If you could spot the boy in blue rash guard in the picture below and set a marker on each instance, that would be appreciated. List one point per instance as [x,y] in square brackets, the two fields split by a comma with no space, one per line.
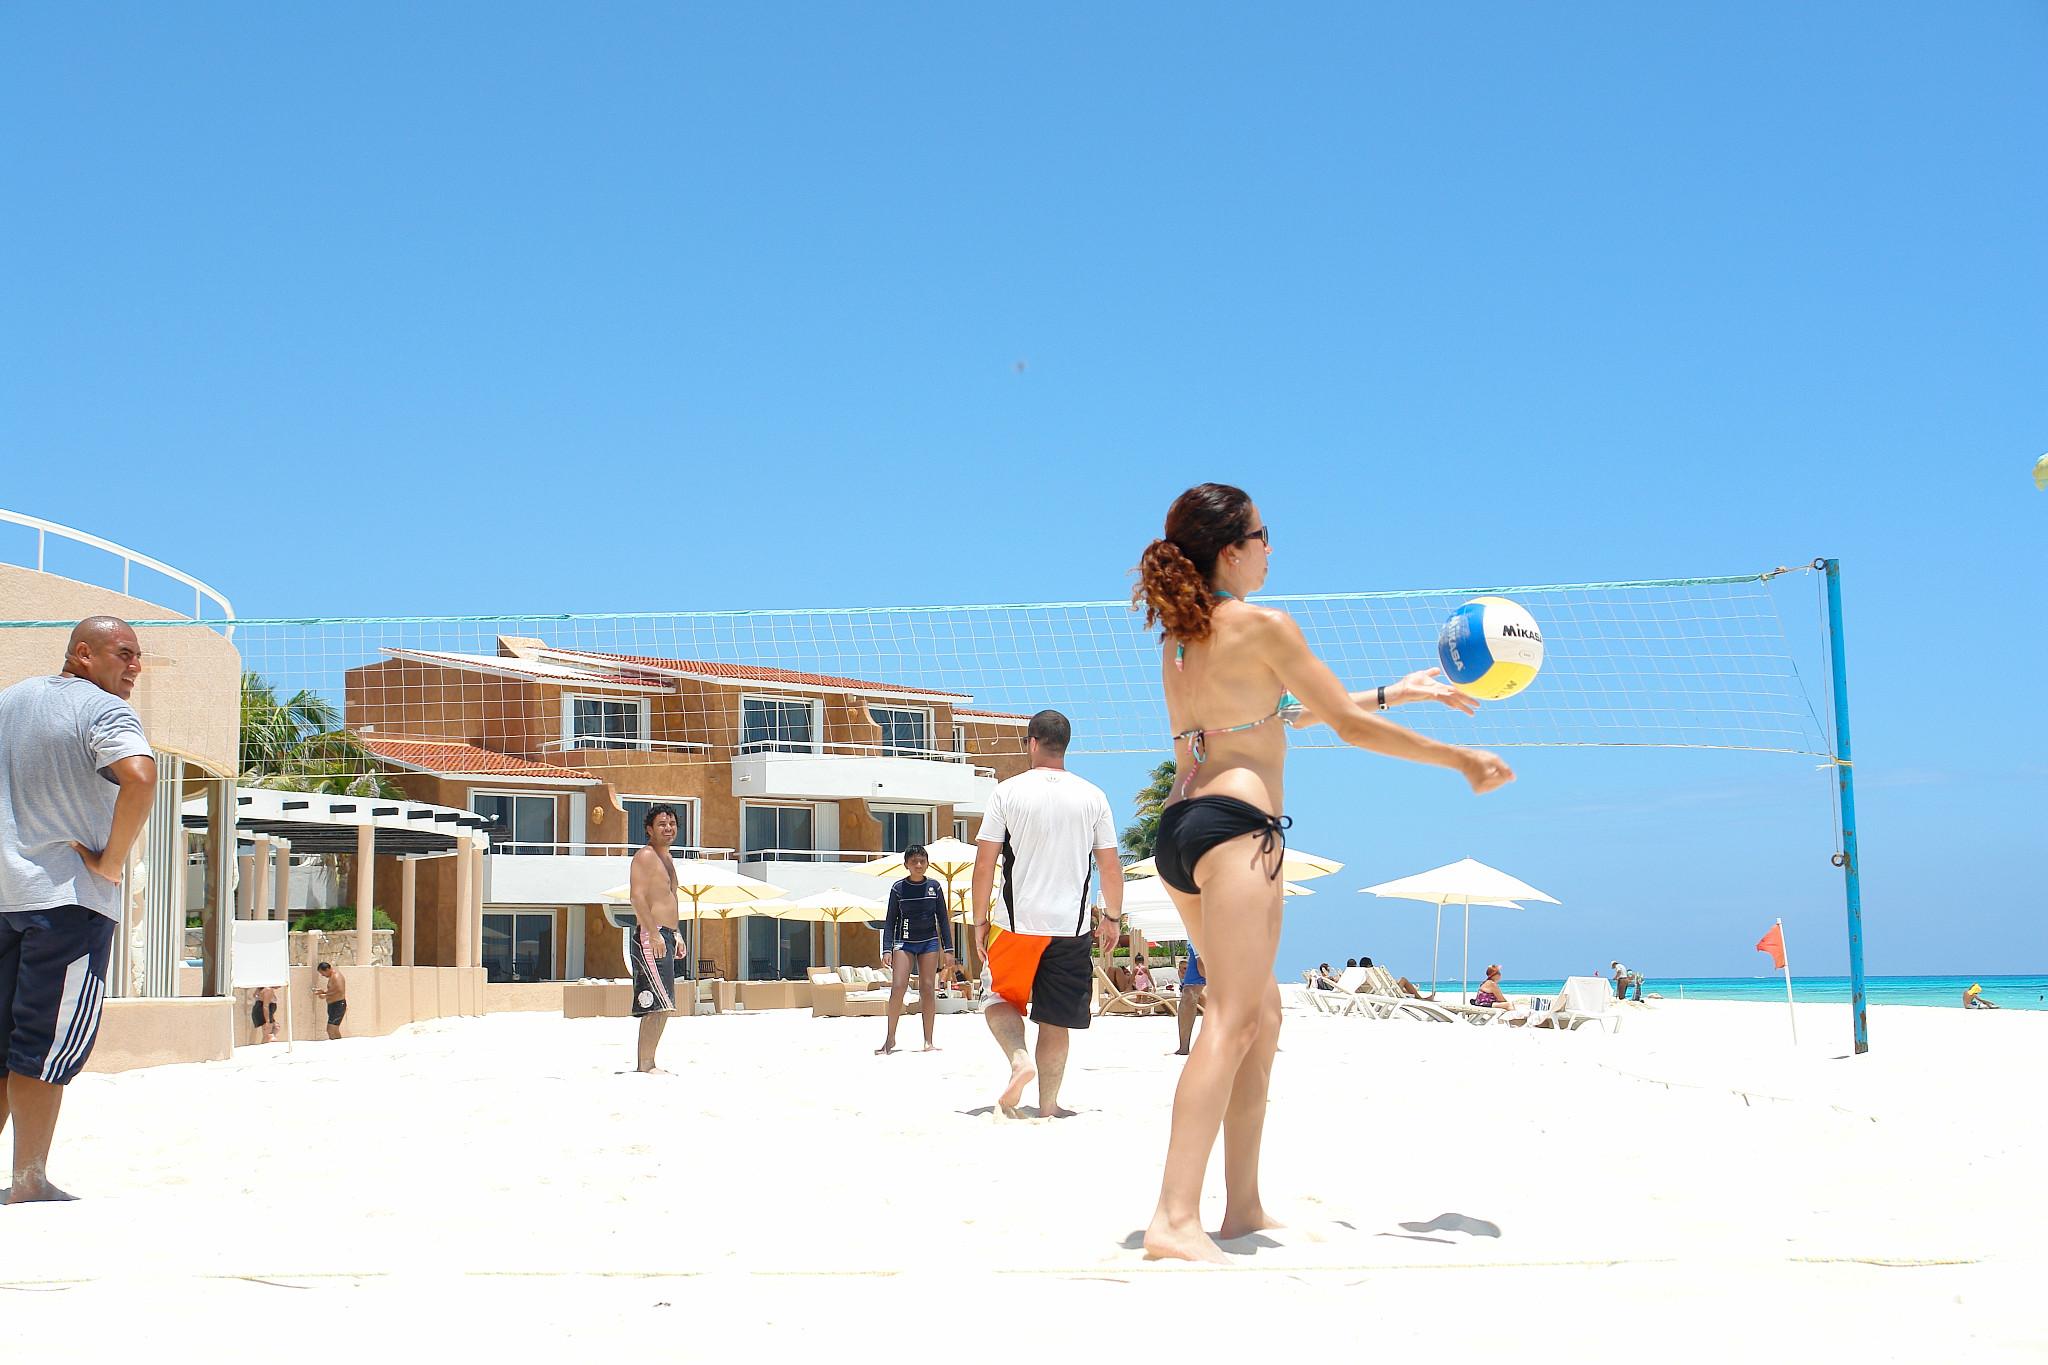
[915,935]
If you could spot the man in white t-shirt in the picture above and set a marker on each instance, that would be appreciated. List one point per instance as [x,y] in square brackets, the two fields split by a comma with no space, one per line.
[1053,834]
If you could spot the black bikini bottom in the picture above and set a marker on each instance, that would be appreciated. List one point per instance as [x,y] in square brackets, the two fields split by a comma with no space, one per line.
[1188,829]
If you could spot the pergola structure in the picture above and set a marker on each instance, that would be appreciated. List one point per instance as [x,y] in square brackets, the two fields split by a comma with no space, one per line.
[272,825]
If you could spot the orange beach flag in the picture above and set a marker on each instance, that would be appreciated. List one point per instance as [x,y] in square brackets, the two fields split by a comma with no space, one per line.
[1774,944]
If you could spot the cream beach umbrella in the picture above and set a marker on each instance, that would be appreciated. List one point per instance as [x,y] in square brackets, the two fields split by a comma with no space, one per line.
[701,883]
[1468,882]
[951,861]
[1296,865]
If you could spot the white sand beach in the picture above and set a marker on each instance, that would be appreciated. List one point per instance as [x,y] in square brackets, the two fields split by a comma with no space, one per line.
[1687,1188]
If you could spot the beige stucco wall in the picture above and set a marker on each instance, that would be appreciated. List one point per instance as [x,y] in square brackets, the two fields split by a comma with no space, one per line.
[190,692]
[137,1033]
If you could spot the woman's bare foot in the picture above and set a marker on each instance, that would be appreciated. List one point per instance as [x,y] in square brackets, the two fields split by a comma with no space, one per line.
[1252,1220]
[655,1071]
[931,1047]
[1022,1074]
[1169,1241]
[34,1192]
[885,1049]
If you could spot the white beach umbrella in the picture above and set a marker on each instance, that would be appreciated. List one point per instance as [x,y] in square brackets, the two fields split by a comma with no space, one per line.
[1151,910]
[1468,882]
[952,862]
[1296,865]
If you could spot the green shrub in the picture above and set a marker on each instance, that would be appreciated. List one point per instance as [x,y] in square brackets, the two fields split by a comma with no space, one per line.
[341,919]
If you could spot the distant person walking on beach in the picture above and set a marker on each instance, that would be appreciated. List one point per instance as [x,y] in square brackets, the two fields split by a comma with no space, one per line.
[1189,1006]
[1235,676]
[916,932]
[333,988]
[1053,833]
[76,781]
[655,939]
[263,1015]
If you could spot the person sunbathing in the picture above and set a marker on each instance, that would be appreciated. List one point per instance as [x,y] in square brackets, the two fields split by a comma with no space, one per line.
[1975,999]
[1408,988]
[1490,995]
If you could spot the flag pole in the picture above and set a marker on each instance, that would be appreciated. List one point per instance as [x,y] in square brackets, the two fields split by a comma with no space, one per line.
[1794,1014]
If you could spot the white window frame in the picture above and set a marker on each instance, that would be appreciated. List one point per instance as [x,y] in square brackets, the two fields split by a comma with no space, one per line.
[746,806]
[960,829]
[931,736]
[959,738]
[930,814]
[693,805]
[513,792]
[570,741]
[779,699]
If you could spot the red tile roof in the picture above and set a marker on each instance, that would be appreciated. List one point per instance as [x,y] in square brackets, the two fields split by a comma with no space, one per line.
[440,756]
[991,715]
[746,672]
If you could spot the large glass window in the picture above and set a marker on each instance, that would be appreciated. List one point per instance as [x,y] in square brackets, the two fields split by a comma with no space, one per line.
[772,725]
[902,828]
[607,723]
[960,831]
[776,832]
[636,808]
[778,950]
[904,730]
[519,824]
[519,946]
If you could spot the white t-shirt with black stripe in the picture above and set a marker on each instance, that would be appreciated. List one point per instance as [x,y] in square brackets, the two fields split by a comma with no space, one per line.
[1049,824]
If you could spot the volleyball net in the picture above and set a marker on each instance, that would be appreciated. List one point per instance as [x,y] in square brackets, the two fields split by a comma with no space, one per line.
[1731,662]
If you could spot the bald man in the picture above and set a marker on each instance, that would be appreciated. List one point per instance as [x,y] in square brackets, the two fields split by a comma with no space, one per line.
[76,781]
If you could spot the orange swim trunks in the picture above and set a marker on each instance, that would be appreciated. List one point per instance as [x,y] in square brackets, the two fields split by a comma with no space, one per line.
[1049,976]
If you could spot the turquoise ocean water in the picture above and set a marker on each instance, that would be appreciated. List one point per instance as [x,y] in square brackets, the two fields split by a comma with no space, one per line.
[2010,992]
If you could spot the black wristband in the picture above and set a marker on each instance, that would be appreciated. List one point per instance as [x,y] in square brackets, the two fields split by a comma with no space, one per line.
[1383,696]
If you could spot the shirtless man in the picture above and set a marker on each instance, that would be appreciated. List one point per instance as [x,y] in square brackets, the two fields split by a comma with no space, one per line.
[334,990]
[653,943]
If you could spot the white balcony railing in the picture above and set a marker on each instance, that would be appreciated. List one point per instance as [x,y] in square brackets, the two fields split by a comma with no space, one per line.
[858,772]
[531,849]
[129,559]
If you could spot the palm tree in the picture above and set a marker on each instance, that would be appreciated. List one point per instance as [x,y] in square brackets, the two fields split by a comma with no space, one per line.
[1143,832]
[300,744]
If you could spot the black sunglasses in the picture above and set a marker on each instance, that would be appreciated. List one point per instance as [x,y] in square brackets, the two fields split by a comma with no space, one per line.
[1264,535]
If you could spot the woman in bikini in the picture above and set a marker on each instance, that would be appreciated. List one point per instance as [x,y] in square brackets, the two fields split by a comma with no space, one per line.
[1235,674]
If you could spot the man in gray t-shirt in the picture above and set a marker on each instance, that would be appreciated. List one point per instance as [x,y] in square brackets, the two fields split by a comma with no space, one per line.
[76,782]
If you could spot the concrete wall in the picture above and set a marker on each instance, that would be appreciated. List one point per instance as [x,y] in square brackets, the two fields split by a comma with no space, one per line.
[190,693]
[383,1000]
[503,996]
[137,1033]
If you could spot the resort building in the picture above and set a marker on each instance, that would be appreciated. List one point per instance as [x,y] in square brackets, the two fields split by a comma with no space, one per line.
[799,776]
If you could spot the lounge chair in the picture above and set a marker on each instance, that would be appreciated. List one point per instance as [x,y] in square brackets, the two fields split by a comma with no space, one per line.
[1140,1003]
[1353,993]
[1583,1000]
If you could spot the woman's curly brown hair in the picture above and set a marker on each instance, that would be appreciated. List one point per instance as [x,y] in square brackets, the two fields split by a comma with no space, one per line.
[1173,574]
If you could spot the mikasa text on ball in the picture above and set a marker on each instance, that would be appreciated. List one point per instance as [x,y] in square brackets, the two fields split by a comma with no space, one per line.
[1490,648]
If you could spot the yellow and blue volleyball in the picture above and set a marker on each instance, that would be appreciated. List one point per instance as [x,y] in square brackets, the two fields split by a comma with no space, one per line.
[1490,648]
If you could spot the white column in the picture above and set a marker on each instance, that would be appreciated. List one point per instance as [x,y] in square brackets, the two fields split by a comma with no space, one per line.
[366,888]
[572,957]
[408,891]
[460,911]
[259,874]
[281,901]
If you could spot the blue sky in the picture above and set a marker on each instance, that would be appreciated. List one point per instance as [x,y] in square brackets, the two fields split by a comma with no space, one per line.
[524,308]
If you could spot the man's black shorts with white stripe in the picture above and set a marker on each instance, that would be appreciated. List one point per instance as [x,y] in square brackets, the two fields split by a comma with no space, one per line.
[53,983]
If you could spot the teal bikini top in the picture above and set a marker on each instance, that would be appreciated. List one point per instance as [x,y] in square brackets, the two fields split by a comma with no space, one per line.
[1198,740]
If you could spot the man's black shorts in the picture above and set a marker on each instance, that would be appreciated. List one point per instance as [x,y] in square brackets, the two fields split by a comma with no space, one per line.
[53,982]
